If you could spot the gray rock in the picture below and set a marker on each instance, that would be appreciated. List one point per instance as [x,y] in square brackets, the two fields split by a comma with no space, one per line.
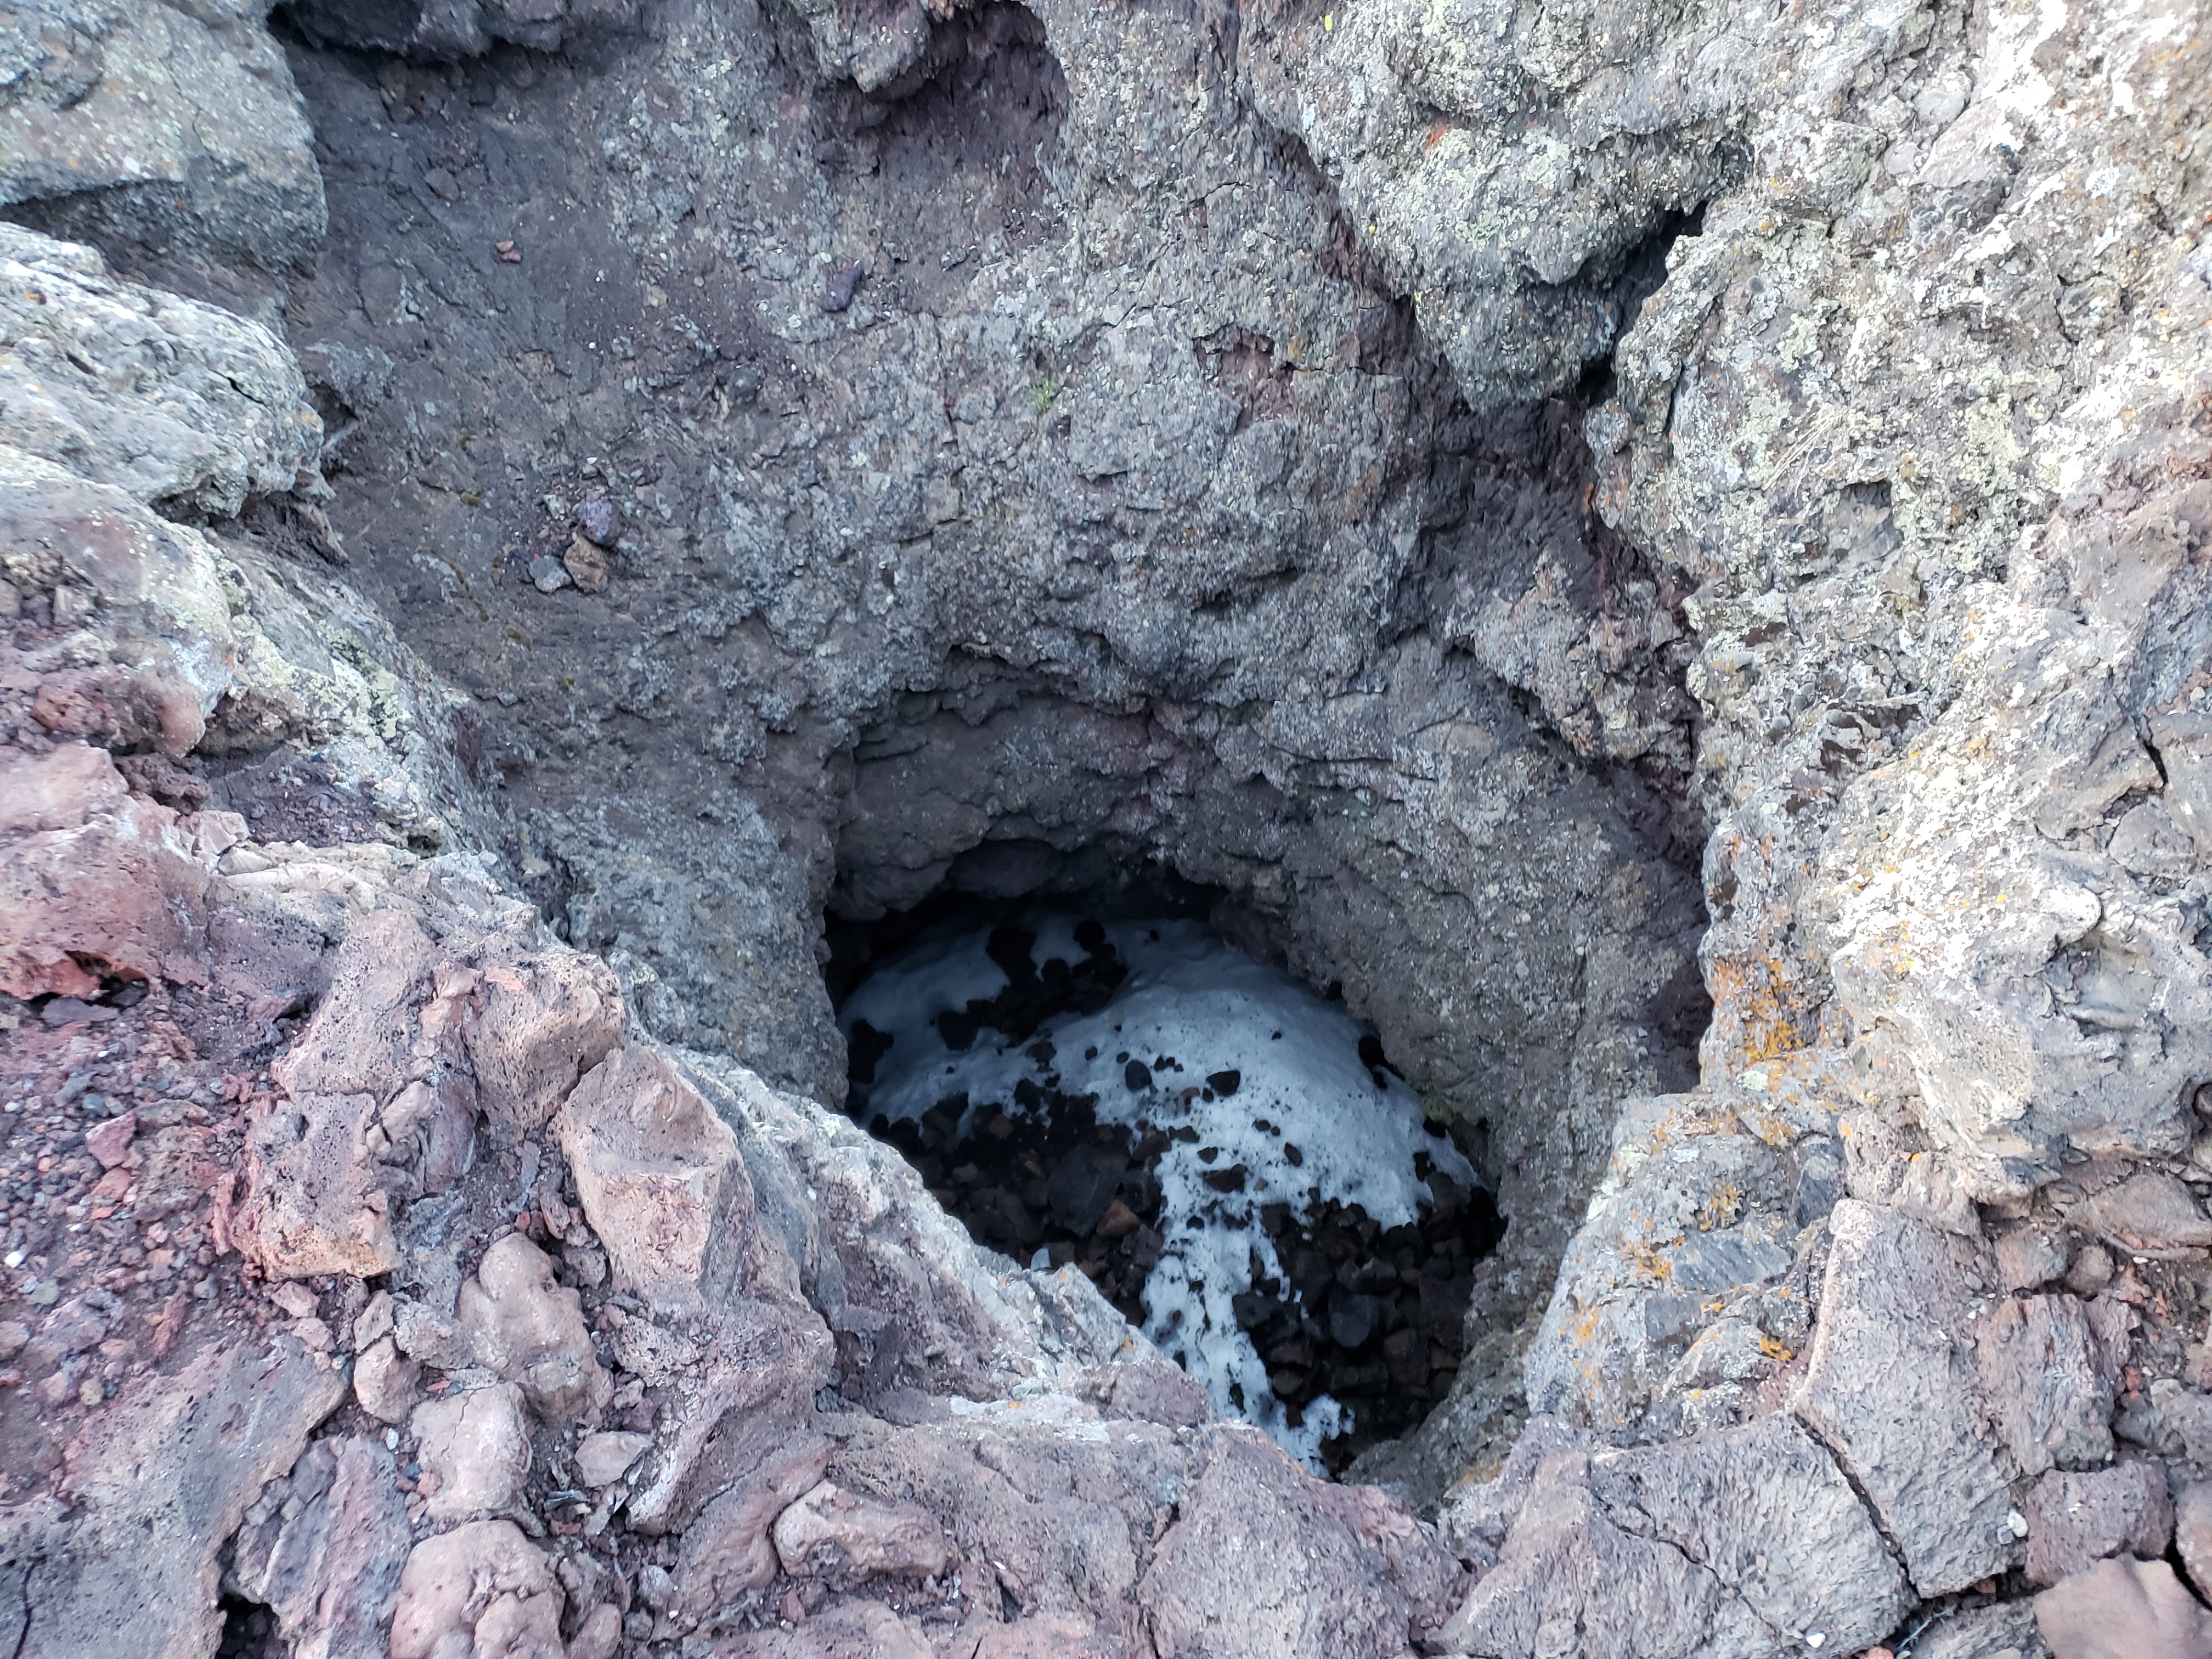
[1891,1391]
[2074,1521]
[177,128]
[162,1479]
[323,1549]
[1742,1543]
[2048,1376]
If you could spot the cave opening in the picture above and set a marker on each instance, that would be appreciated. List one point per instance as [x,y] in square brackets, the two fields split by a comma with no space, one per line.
[1118,1078]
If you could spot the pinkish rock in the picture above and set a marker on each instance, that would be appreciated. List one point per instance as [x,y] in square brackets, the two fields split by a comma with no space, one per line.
[2074,1521]
[600,1635]
[313,1204]
[523,1324]
[478,1444]
[833,1533]
[660,1178]
[295,1299]
[547,1019]
[727,1553]
[481,1590]
[110,1142]
[91,873]
[384,1381]
[2030,1257]
[751,1393]
[2123,1609]
[602,1458]
[856,1630]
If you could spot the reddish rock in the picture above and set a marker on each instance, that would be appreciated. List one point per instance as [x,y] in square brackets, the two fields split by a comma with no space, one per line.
[92,874]
[727,1552]
[110,1142]
[2074,1521]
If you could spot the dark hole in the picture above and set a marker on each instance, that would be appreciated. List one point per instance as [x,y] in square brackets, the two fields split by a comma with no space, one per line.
[249,1630]
[1369,1316]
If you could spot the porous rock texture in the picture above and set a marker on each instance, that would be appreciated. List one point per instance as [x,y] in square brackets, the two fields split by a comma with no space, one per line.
[1419,473]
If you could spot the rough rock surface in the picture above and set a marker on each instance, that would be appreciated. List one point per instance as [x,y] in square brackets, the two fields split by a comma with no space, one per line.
[834,455]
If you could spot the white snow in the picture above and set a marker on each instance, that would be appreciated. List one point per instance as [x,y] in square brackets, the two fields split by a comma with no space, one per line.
[1193,1000]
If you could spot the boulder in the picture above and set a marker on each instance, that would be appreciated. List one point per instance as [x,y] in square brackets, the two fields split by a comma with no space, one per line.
[323,1548]
[2123,1609]
[92,874]
[547,1019]
[1704,1545]
[160,1479]
[2074,1521]
[480,1591]
[313,1203]
[1264,1558]
[1897,1401]
[2048,1379]
[660,1179]
[833,1533]
[476,1443]
[523,1324]
[727,1552]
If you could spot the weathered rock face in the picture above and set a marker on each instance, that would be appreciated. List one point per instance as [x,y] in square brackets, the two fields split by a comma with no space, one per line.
[175,126]
[851,453]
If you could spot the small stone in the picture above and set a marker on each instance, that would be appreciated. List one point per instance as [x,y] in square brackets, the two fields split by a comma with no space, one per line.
[2091,1272]
[599,519]
[294,1298]
[384,1383]
[1118,1221]
[585,565]
[548,574]
[111,1142]
[373,1323]
[602,1458]
[838,294]
[2030,1257]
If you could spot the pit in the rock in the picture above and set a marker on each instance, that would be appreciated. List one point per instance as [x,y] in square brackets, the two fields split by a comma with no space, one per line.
[1230,1158]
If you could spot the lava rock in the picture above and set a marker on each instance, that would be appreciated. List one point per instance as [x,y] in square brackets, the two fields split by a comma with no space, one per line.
[600,520]
[1084,1185]
[1353,1320]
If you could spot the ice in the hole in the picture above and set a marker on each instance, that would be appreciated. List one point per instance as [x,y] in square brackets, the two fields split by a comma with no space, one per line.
[1192,1006]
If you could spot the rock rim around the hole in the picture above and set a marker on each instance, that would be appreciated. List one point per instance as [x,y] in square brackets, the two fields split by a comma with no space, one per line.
[1938,637]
